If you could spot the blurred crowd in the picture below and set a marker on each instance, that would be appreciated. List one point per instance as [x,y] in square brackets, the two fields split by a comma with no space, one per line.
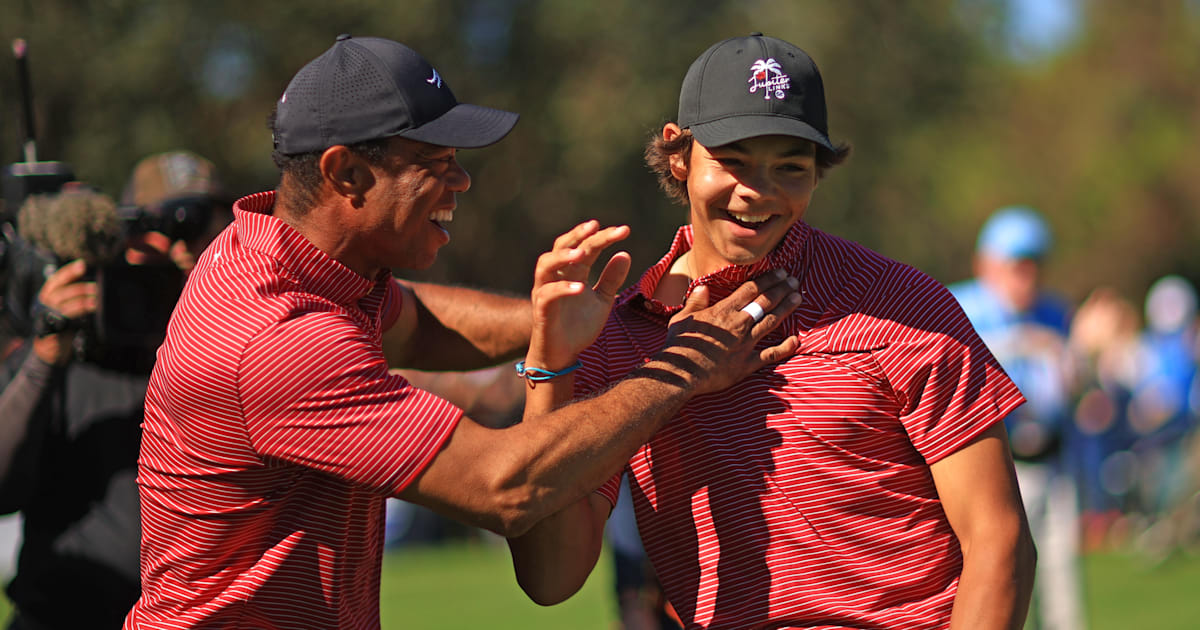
[1131,440]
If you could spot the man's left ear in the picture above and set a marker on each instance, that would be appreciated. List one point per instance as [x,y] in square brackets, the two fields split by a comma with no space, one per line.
[679,166]
[346,173]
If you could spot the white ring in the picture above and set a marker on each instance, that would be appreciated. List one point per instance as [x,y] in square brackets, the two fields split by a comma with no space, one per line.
[755,311]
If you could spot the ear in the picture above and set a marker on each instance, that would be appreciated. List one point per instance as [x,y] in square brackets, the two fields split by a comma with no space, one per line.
[347,174]
[679,166]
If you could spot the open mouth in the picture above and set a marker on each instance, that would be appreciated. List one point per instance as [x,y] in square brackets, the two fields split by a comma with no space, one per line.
[748,220]
[439,217]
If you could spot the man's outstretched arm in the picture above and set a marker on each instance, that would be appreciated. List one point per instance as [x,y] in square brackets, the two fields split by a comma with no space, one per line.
[444,328]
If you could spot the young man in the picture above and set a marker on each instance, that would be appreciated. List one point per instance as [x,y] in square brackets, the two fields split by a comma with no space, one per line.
[274,429]
[864,482]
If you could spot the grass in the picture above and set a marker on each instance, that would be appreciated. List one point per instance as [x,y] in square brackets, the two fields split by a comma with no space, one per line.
[1125,590]
[471,585]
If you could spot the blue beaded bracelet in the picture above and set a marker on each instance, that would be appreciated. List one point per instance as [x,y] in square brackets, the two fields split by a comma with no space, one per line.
[538,375]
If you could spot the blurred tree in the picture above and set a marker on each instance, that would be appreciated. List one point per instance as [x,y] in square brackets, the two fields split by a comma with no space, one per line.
[947,124]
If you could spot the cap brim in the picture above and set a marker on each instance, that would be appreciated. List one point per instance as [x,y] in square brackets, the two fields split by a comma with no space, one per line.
[465,127]
[736,128]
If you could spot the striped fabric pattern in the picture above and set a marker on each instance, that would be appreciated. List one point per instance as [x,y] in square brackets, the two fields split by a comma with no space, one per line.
[273,434]
[802,497]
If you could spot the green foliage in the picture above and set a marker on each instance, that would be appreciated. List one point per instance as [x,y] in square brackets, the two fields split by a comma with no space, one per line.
[946,127]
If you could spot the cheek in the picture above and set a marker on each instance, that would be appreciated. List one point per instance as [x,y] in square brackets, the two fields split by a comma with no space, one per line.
[707,187]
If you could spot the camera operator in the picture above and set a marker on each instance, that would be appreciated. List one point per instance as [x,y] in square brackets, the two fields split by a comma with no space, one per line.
[72,404]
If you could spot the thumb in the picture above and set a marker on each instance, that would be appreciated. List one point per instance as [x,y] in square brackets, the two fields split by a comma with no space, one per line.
[696,302]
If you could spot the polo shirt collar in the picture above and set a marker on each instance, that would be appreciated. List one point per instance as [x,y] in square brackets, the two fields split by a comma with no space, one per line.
[261,231]
[787,255]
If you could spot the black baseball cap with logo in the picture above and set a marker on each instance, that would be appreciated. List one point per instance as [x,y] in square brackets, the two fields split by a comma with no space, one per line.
[366,88]
[750,86]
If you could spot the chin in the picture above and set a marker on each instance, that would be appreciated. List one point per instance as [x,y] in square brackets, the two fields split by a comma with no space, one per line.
[744,257]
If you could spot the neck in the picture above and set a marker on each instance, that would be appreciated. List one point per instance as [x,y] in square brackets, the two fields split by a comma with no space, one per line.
[673,285]
[324,225]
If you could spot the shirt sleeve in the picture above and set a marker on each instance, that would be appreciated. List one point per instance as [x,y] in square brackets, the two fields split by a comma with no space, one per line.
[949,386]
[316,392]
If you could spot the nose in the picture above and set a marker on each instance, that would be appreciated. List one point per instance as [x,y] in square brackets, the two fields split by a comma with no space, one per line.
[457,178]
[755,184]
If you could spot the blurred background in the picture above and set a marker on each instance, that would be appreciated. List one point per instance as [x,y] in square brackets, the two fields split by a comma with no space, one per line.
[1087,110]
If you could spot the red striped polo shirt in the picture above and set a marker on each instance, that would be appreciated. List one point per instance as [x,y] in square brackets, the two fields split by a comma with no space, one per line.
[273,434]
[802,497]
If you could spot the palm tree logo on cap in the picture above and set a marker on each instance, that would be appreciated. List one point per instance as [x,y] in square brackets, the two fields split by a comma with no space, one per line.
[769,76]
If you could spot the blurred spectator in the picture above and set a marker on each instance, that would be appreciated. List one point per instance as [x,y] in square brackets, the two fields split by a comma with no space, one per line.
[1163,408]
[1104,341]
[70,412]
[1026,327]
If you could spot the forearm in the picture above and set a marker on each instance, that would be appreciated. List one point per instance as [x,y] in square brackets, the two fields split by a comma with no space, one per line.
[455,328]
[577,447]
[18,403]
[995,587]
[554,558]
[508,480]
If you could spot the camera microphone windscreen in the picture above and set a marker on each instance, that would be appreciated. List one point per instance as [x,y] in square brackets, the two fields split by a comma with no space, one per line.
[75,223]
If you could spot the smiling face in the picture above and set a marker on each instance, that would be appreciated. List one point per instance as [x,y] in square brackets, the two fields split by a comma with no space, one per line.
[744,196]
[406,211]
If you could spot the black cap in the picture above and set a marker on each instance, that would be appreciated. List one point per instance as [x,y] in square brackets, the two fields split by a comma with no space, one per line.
[365,88]
[753,86]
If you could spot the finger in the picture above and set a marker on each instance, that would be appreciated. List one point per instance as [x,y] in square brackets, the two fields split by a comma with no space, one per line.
[60,297]
[591,247]
[74,300]
[781,351]
[751,289]
[558,265]
[777,315]
[78,307]
[575,235]
[754,310]
[546,295]
[771,296]
[697,301]
[64,275]
[582,257]
[613,275]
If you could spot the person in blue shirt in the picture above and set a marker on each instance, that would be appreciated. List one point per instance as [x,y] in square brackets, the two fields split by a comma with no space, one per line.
[1026,327]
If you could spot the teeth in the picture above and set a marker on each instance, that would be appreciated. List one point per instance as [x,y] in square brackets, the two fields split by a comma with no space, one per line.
[750,218]
[442,216]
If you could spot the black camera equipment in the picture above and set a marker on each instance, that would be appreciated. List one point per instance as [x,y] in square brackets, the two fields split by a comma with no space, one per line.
[179,218]
[43,228]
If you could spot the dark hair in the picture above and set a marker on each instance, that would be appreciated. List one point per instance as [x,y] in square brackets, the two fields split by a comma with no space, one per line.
[659,151]
[300,173]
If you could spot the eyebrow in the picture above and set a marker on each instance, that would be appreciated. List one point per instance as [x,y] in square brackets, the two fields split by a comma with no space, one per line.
[434,152]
